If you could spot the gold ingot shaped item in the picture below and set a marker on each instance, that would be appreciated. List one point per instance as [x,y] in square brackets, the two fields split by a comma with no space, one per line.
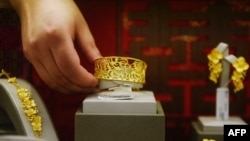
[122,70]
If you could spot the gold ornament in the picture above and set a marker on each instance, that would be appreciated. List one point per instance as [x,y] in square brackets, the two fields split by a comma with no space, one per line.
[120,68]
[239,73]
[28,104]
[208,140]
[215,65]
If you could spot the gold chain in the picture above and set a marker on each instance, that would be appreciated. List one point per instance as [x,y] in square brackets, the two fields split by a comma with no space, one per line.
[28,104]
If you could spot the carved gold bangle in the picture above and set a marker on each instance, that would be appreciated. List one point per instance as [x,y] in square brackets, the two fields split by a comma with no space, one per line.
[208,139]
[121,69]
[28,104]
[214,64]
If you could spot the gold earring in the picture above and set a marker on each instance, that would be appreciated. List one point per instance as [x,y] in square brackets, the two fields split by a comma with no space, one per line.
[214,64]
[240,69]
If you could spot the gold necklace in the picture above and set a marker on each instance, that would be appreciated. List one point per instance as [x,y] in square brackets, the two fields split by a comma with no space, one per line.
[28,104]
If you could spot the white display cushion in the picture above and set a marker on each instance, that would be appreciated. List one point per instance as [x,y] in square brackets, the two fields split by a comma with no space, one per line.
[143,103]
[210,124]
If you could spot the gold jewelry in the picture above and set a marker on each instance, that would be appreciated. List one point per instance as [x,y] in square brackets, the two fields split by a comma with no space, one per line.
[214,64]
[208,139]
[240,69]
[28,104]
[120,68]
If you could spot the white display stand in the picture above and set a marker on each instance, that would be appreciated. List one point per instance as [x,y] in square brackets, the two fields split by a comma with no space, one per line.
[120,126]
[120,114]
[143,102]
[222,104]
[208,127]
[222,92]
[210,124]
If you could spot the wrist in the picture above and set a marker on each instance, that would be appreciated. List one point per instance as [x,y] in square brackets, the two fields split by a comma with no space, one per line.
[23,7]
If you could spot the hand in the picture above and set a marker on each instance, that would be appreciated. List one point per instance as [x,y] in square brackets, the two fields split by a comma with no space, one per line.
[52,32]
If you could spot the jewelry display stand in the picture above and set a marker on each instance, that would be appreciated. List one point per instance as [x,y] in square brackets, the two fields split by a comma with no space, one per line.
[143,102]
[22,131]
[211,127]
[118,112]
[207,127]
[120,126]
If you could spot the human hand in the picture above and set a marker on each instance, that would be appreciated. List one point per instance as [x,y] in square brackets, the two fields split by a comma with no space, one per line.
[52,32]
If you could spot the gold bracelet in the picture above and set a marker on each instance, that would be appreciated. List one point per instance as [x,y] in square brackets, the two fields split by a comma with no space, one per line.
[121,69]
[240,69]
[214,64]
[28,104]
[208,139]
